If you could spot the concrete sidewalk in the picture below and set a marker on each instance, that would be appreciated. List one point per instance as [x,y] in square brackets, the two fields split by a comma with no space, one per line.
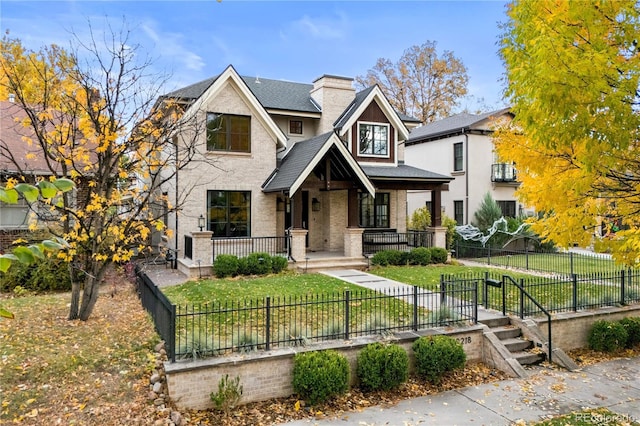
[546,393]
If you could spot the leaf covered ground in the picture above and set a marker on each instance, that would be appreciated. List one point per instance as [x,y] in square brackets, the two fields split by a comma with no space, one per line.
[55,371]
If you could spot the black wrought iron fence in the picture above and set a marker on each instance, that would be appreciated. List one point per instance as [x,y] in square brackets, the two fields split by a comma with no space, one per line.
[265,323]
[558,263]
[244,246]
[375,241]
[162,311]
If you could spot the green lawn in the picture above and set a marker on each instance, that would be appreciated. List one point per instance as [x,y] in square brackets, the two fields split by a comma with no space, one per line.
[560,263]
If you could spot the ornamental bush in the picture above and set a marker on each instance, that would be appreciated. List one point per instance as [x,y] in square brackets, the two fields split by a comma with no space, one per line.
[436,355]
[259,263]
[388,257]
[320,375]
[278,264]
[43,275]
[607,336]
[420,256]
[438,255]
[225,265]
[632,325]
[382,366]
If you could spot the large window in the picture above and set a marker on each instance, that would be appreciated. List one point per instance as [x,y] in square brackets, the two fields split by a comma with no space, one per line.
[457,157]
[374,212]
[374,139]
[229,213]
[228,132]
[458,212]
[14,215]
[508,208]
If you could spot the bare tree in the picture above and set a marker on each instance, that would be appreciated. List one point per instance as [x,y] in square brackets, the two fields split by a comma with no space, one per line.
[422,83]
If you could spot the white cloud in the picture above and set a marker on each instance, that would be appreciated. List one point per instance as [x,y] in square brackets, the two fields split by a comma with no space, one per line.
[171,48]
[324,28]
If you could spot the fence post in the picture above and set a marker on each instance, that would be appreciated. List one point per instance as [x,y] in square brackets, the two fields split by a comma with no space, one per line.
[622,290]
[571,261]
[268,323]
[171,344]
[475,302]
[415,308]
[442,289]
[521,298]
[574,280]
[485,290]
[347,297]
[526,254]
[489,254]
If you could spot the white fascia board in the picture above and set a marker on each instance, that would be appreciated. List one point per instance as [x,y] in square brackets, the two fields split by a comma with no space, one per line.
[230,74]
[334,140]
[376,94]
[286,112]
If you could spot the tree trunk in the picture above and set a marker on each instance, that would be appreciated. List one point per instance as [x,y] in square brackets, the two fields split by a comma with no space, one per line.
[75,300]
[89,297]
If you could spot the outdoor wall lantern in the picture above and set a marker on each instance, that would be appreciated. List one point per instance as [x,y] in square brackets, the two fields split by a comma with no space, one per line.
[315,205]
[201,222]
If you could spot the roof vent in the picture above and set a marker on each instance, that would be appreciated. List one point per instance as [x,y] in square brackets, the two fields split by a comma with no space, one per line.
[257,80]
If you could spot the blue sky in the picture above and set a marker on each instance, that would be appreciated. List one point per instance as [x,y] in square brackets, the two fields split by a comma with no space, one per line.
[289,40]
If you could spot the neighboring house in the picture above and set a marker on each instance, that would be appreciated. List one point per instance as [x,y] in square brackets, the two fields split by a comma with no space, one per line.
[318,162]
[462,146]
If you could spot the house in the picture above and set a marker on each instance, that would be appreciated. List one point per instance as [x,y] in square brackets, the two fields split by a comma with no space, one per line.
[308,167]
[462,146]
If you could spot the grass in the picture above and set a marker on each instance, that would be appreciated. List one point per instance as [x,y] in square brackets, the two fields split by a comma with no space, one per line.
[559,263]
[55,371]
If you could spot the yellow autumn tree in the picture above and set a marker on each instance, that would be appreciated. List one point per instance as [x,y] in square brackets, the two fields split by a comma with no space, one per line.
[573,71]
[92,115]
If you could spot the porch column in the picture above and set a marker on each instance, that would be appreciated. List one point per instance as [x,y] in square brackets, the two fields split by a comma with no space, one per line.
[436,206]
[202,250]
[299,244]
[353,242]
[352,209]
[439,236]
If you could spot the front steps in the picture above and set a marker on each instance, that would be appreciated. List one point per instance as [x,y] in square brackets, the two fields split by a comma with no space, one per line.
[511,337]
[310,265]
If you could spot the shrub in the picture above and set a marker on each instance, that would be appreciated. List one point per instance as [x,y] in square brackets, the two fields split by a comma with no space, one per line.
[243,266]
[228,394]
[225,265]
[607,336]
[436,355]
[278,264]
[632,325]
[382,367]
[387,257]
[420,256]
[259,263]
[43,275]
[438,255]
[319,376]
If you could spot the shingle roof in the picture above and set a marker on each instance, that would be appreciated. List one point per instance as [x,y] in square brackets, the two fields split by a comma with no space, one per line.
[403,171]
[294,163]
[357,101]
[453,124]
[272,94]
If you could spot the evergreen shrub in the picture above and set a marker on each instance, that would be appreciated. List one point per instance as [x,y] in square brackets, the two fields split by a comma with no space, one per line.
[381,366]
[320,375]
[437,355]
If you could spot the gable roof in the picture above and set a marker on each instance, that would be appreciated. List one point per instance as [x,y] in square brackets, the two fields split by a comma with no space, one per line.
[215,85]
[361,101]
[272,94]
[304,156]
[451,125]
[405,173]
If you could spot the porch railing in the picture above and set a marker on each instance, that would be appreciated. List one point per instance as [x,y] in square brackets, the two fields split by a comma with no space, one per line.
[244,246]
[375,241]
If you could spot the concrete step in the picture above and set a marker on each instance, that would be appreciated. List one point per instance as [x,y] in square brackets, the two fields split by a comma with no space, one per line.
[528,358]
[506,332]
[517,344]
[497,321]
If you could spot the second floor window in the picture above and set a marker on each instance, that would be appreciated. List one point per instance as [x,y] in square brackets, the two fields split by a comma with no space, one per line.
[227,132]
[295,127]
[457,157]
[373,139]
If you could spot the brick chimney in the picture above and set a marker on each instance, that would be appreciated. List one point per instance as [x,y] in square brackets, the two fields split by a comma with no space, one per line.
[333,94]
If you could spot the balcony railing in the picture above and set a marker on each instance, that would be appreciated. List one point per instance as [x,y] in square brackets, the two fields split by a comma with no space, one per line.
[503,172]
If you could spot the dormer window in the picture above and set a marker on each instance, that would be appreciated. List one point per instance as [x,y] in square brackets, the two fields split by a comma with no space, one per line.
[373,139]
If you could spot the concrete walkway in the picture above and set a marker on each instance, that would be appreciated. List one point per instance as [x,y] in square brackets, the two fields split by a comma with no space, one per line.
[614,385]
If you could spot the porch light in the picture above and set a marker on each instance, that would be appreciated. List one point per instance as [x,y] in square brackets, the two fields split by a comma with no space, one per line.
[201,222]
[315,205]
